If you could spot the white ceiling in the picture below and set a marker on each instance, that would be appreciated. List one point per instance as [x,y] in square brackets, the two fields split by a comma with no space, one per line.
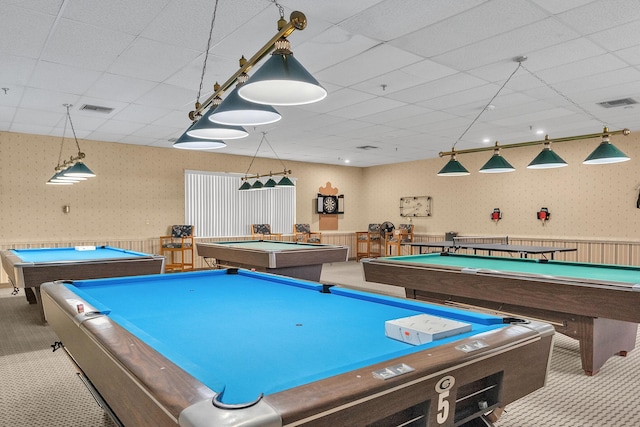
[407,77]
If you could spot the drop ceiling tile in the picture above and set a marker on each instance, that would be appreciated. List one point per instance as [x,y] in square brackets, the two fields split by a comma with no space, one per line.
[12,97]
[84,45]
[56,76]
[15,70]
[433,89]
[140,113]
[601,15]
[47,99]
[352,71]
[119,127]
[339,99]
[15,39]
[413,14]
[119,88]
[44,118]
[469,27]
[332,47]
[169,96]
[555,6]
[150,60]
[128,16]
[542,34]
[403,112]
[371,106]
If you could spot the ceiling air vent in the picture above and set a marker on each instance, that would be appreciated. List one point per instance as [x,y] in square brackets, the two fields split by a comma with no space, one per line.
[618,103]
[96,108]
[367,147]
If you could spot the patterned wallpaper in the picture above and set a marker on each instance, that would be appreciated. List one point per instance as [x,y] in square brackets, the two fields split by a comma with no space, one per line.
[585,201]
[139,192]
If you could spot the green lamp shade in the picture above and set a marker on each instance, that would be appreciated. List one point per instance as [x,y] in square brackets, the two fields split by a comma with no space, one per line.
[497,164]
[285,182]
[55,180]
[237,111]
[206,129]
[604,154]
[257,185]
[271,183]
[78,170]
[282,80]
[186,142]
[547,159]
[245,186]
[453,168]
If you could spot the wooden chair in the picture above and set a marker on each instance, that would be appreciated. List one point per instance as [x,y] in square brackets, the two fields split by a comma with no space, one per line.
[368,243]
[180,242]
[263,232]
[302,233]
[395,238]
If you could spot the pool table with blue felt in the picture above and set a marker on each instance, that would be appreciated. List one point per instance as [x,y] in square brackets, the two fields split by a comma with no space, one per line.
[293,259]
[29,268]
[234,347]
[597,304]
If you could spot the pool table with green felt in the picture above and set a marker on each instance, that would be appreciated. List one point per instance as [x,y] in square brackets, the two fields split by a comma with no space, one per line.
[293,259]
[596,304]
[235,347]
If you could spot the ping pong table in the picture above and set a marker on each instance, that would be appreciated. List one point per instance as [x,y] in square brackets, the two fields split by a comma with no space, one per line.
[489,245]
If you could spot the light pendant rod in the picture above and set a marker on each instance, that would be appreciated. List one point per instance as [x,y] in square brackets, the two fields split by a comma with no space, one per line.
[264,175]
[605,132]
[297,21]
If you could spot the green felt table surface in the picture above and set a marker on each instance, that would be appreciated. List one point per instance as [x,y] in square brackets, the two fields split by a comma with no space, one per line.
[587,271]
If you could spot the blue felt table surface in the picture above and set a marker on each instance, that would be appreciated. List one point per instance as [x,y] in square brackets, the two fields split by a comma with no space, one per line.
[252,333]
[35,255]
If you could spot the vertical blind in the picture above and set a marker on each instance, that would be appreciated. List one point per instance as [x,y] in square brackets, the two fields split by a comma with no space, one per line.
[215,206]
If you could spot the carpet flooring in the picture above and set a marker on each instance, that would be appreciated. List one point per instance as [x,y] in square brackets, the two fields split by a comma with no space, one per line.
[39,387]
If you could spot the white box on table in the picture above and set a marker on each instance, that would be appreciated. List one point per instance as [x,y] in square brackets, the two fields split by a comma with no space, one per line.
[423,328]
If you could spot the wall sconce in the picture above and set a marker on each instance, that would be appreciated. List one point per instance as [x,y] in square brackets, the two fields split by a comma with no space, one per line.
[66,209]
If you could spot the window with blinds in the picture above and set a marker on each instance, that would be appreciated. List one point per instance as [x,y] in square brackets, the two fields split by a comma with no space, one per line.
[217,208]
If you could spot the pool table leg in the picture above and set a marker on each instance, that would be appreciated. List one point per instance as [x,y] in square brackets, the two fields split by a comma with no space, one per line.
[602,338]
[31,296]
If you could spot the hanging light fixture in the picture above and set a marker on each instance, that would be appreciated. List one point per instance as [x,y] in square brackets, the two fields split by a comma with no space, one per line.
[72,170]
[453,168]
[235,110]
[270,183]
[547,158]
[497,163]
[606,152]
[205,130]
[233,113]
[282,80]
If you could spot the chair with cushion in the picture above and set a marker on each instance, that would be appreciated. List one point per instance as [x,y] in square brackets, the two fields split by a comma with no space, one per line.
[180,247]
[263,232]
[368,243]
[302,233]
[395,238]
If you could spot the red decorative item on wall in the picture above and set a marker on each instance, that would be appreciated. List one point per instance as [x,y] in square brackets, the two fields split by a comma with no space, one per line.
[543,215]
[496,215]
